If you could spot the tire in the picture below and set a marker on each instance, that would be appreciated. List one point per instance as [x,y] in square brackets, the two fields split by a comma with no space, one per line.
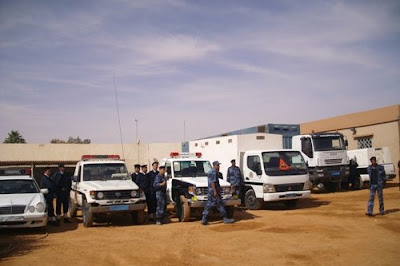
[182,209]
[230,210]
[72,208]
[138,217]
[332,187]
[290,203]
[251,202]
[87,214]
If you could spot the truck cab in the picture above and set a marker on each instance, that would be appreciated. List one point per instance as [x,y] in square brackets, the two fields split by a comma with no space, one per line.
[101,186]
[274,175]
[187,185]
[326,157]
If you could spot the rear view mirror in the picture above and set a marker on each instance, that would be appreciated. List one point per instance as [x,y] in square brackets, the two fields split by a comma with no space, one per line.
[75,179]
[44,191]
[259,172]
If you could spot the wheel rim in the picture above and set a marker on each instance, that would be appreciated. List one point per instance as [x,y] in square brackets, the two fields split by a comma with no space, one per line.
[251,199]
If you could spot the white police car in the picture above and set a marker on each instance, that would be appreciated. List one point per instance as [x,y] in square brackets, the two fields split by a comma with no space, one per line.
[22,203]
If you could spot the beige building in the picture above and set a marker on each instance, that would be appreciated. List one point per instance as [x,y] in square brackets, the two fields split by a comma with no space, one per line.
[37,156]
[374,128]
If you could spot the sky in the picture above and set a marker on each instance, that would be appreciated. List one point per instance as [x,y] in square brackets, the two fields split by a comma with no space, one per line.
[213,66]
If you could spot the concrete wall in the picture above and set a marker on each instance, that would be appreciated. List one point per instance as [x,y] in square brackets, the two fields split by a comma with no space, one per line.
[133,153]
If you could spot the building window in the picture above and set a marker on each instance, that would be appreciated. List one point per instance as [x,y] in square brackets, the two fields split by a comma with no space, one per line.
[195,144]
[206,143]
[365,142]
[260,137]
[217,142]
[229,140]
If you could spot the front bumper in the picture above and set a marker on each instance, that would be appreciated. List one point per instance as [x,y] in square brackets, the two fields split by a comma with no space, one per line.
[291,195]
[23,220]
[329,174]
[118,208]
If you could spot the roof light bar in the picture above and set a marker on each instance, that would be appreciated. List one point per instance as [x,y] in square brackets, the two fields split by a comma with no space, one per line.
[100,157]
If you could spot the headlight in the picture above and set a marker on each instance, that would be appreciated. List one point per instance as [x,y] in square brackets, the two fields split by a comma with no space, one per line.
[31,209]
[268,188]
[198,191]
[191,190]
[93,194]
[307,185]
[226,190]
[134,193]
[100,195]
[40,207]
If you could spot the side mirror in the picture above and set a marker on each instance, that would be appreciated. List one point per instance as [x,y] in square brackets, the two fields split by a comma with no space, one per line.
[258,172]
[75,179]
[44,191]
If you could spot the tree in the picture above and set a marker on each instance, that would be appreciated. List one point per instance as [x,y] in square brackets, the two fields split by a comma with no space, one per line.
[14,137]
[71,140]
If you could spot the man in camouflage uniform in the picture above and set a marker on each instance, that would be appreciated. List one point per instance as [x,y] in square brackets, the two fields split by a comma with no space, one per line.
[160,183]
[377,175]
[214,196]
[234,177]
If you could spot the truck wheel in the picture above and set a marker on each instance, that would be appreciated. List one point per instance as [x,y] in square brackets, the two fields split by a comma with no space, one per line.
[182,209]
[290,203]
[138,217]
[72,208]
[251,201]
[332,187]
[87,214]
[229,211]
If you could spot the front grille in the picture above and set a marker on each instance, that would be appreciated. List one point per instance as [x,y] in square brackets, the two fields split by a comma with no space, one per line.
[289,187]
[15,209]
[120,194]
[333,161]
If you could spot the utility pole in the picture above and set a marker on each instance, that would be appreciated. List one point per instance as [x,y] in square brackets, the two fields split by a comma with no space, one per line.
[137,139]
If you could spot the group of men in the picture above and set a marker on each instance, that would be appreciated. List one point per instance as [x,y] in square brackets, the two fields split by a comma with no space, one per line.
[59,187]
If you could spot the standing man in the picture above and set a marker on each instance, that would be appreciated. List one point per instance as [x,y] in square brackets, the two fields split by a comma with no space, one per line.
[234,177]
[151,192]
[160,184]
[214,196]
[135,174]
[63,183]
[141,179]
[376,182]
[47,182]
[144,169]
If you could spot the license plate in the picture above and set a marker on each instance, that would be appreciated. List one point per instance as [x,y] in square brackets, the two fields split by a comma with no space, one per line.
[336,173]
[291,195]
[119,208]
[12,219]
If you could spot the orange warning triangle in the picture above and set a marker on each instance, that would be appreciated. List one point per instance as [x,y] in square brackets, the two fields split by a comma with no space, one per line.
[283,165]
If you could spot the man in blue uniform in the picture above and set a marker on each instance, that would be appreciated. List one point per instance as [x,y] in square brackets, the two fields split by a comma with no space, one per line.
[141,179]
[63,183]
[214,196]
[135,174]
[234,177]
[47,182]
[151,192]
[160,184]
[376,182]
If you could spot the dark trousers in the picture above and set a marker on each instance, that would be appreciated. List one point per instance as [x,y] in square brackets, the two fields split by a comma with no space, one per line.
[62,199]
[372,190]
[49,201]
[161,200]
[151,200]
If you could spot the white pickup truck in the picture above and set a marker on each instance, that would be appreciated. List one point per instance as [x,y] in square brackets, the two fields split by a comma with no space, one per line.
[101,186]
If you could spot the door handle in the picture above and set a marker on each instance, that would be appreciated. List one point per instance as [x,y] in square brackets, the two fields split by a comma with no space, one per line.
[247,178]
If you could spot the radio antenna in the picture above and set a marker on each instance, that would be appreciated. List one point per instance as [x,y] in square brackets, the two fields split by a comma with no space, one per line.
[119,119]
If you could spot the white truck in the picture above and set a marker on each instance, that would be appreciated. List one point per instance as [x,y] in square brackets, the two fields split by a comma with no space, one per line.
[362,158]
[101,186]
[187,185]
[326,157]
[270,173]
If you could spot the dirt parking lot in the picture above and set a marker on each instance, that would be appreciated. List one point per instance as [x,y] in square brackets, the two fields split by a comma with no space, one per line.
[329,229]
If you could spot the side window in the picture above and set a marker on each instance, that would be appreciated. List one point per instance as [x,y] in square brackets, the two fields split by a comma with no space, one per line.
[79,174]
[168,169]
[306,147]
[253,163]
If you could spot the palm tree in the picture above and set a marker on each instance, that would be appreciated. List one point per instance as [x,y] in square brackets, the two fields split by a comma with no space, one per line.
[14,137]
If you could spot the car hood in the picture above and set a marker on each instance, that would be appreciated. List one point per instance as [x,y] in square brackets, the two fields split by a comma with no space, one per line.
[21,199]
[111,185]
[202,181]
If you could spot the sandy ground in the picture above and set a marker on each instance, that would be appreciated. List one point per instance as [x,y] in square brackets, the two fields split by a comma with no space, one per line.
[329,229]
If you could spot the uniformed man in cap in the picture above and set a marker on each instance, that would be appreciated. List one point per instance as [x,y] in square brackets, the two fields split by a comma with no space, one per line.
[234,177]
[377,175]
[141,179]
[63,183]
[214,196]
[151,192]
[136,173]
[160,184]
[47,182]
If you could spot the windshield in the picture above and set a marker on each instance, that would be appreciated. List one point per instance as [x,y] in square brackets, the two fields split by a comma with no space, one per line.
[329,143]
[18,187]
[191,168]
[104,172]
[284,163]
